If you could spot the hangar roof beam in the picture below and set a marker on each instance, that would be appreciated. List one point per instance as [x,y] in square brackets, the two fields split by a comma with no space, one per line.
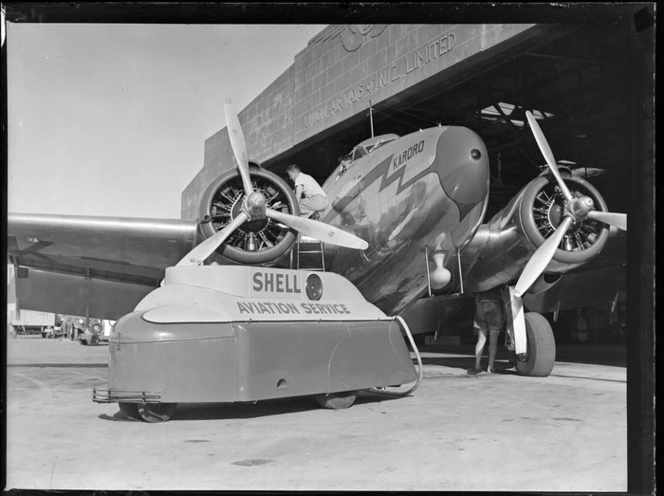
[572,59]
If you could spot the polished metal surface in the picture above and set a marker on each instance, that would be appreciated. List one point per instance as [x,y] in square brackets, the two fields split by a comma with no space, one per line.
[427,189]
[125,242]
[97,266]
[503,246]
[249,361]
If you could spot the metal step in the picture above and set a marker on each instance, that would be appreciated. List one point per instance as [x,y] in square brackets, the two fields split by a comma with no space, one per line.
[296,259]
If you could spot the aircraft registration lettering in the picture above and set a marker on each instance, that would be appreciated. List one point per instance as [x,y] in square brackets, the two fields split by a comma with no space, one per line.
[281,308]
[275,282]
[401,158]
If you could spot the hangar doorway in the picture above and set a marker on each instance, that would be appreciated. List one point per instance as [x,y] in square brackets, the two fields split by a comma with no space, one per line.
[578,82]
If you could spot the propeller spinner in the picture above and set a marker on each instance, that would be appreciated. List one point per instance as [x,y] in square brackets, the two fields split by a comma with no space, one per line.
[577,208]
[255,207]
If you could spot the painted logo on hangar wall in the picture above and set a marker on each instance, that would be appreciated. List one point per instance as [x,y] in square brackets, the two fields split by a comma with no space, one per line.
[354,35]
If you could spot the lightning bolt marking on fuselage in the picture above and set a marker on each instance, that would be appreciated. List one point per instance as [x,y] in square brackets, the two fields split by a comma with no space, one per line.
[381,171]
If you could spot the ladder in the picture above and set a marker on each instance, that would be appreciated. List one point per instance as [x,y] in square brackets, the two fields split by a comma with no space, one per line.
[311,262]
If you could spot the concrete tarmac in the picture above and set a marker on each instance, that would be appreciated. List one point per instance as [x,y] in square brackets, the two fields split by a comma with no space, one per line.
[502,432]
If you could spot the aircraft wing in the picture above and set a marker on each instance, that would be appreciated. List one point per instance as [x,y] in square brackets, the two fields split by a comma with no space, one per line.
[96,266]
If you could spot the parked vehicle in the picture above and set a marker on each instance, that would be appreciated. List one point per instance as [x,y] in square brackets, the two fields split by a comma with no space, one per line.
[25,322]
[97,332]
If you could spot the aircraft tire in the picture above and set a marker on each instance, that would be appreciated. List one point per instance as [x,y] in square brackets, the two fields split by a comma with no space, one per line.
[337,401]
[155,413]
[541,351]
[129,410]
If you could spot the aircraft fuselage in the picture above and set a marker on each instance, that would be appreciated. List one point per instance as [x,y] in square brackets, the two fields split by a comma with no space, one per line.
[428,189]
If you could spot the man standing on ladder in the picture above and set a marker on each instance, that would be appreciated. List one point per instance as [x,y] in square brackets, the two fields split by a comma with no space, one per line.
[309,194]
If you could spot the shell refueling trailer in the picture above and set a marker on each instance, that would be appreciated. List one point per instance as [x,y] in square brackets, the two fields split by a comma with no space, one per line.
[243,333]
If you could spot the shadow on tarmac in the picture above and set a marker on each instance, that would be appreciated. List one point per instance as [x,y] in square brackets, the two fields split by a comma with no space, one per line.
[611,355]
[232,411]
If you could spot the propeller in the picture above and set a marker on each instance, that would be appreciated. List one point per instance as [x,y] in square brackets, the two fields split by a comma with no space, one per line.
[238,145]
[198,255]
[577,209]
[548,154]
[255,207]
[541,258]
[610,218]
[318,230]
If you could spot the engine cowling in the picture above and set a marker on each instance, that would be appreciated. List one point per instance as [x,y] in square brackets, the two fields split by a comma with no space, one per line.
[260,242]
[503,246]
[541,211]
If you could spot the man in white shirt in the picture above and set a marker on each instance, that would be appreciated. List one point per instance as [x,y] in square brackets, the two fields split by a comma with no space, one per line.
[308,192]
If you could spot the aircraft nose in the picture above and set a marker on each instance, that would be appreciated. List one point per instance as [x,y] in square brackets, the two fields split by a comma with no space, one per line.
[463,167]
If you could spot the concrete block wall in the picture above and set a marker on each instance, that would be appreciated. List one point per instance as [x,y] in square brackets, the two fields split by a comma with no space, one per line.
[334,78]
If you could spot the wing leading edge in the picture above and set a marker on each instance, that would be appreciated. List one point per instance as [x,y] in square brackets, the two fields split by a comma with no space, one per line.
[100,265]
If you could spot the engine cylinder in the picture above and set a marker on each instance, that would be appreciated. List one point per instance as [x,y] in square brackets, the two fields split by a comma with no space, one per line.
[502,247]
[541,211]
[260,240]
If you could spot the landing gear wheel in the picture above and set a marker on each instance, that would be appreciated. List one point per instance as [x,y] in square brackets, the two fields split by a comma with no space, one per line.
[129,410]
[156,412]
[337,401]
[541,351]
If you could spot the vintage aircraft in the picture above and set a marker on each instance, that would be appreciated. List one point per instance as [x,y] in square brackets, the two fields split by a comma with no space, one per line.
[419,202]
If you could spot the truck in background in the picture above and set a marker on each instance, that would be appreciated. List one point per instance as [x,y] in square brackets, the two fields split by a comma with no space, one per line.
[25,322]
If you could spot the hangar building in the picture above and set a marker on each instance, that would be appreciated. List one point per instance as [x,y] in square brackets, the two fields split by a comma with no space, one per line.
[483,76]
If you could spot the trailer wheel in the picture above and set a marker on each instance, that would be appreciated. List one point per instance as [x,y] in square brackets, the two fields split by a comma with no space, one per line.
[156,412]
[337,401]
[541,348]
[129,410]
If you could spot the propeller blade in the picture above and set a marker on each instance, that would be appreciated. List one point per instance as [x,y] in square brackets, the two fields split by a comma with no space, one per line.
[540,259]
[238,145]
[610,218]
[548,154]
[198,255]
[319,230]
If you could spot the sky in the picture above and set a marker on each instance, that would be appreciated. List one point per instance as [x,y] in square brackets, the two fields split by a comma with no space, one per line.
[111,120]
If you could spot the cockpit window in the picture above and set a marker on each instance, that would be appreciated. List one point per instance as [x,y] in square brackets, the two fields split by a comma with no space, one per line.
[359,152]
[380,143]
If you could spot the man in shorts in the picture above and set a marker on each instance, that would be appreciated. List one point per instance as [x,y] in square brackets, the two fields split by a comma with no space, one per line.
[489,320]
